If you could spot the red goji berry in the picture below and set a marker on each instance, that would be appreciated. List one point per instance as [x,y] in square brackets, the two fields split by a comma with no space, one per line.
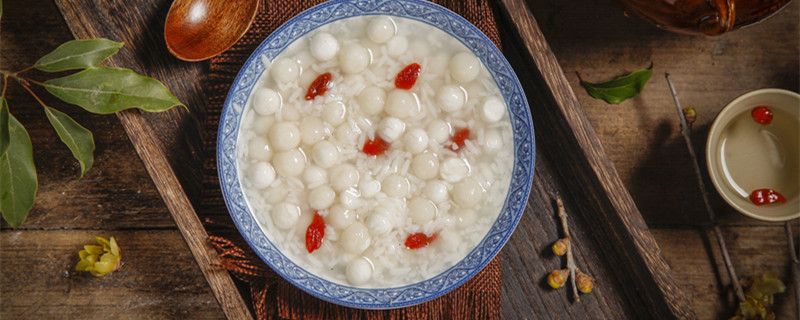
[319,86]
[408,76]
[315,233]
[765,196]
[375,146]
[457,140]
[419,240]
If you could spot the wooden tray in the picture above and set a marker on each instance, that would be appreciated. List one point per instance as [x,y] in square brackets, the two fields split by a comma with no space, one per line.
[611,238]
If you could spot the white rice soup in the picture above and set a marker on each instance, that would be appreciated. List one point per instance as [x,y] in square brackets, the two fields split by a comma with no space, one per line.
[301,157]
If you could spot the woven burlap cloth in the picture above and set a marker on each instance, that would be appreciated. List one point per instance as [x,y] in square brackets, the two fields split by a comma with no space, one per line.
[271,296]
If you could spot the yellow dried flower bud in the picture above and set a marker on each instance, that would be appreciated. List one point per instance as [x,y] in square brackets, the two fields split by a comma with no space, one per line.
[100,260]
[584,282]
[690,114]
[561,246]
[557,278]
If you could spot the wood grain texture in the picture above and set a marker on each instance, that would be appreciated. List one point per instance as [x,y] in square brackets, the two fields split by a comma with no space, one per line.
[155,280]
[156,150]
[642,135]
[594,183]
[116,191]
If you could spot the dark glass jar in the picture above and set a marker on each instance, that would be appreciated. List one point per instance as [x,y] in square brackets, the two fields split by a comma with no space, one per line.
[708,17]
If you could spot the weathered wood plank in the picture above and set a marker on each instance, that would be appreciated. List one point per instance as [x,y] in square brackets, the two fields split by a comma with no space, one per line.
[116,192]
[642,135]
[694,256]
[171,156]
[602,206]
[156,279]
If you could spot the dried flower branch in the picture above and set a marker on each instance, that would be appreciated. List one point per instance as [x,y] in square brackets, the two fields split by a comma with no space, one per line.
[794,257]
[556,279]
[686,132]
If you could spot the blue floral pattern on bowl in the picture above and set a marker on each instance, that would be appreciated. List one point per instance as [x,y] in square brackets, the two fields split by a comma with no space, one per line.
[500,231]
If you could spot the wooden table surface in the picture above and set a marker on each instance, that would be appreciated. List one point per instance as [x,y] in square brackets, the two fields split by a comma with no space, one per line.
[160,279]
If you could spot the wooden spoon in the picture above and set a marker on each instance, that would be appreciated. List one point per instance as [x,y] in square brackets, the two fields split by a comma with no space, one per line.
[197,30]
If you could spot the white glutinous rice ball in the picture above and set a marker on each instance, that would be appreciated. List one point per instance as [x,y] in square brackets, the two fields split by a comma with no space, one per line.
[263,175]
[284,70]
[369,189]
[290,113]
[344,177]
[493,109]
[355,239]
[371,100]
[314,176]
[493,140]
[421,210]
[334,112]
[350,199]
[284,136]
[379,224]
[467,193]
[395,185]
[436,190]
[464,67]
[324,46]
[397,46]
[289,163]
[401,104]
[345,134]
[451,98]
[390,129]
[465,218]
[358,271]
[312,130]
[340,217]
[381,29]
[321,197]
[425,166]
[449,240]
[266,101]
[285,215]
[415,140]
[354,58]
[438,130]
[324,154]
[454,169]
[259,149]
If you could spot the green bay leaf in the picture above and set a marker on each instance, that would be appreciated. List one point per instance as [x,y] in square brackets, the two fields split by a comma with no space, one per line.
[107,90]
[4,123]
[78,54]
[619,89]
[78,139]
[17,176]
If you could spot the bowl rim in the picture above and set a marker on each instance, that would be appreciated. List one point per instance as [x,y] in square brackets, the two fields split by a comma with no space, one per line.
[499,232]
[713,133]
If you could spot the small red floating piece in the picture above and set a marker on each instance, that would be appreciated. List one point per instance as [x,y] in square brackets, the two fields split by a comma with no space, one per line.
[319,86]
[762,115]
[315,233]
[375,147]
[408,76]
[419,240]
[458,139]
[766,196]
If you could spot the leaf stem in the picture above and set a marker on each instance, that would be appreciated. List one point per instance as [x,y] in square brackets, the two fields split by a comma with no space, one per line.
[28,88]
[686,132]
[570,259]
[5,84]
[26,69]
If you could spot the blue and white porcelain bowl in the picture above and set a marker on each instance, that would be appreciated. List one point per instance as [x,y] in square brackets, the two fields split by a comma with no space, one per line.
[521,175]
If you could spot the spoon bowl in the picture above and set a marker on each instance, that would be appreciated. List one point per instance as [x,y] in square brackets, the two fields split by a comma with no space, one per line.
[197,30]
